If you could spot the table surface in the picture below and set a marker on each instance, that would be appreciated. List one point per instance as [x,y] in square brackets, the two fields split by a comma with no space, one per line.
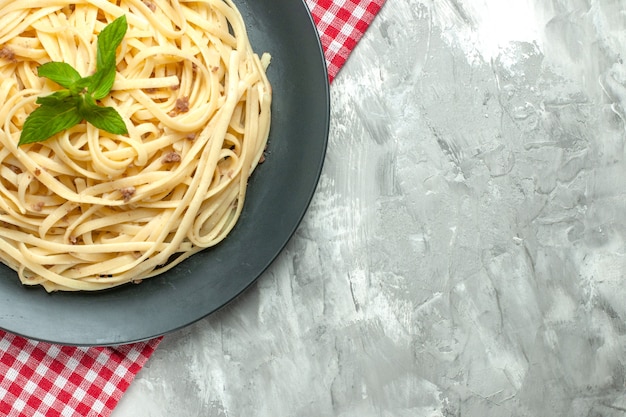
[464,252]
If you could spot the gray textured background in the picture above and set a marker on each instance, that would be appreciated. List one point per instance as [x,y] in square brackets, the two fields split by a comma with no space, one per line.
[464,253]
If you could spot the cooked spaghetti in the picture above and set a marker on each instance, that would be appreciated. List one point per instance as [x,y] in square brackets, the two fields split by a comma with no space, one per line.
[89,210]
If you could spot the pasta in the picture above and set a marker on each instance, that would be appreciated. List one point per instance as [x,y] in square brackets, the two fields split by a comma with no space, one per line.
[89,210]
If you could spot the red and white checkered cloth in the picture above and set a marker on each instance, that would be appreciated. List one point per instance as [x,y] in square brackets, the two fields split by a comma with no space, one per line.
[40,379]
[44,380]
[341,24]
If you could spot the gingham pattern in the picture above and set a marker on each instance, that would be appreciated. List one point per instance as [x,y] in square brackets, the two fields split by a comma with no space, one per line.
[39,379]
[341,23]
[44,380]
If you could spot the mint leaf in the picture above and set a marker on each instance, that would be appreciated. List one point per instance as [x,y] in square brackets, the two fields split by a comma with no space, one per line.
[48,120]
[105,118]
[108,41]
[64,109]
[54,98]
[59,72]
[101,83]
[82,84]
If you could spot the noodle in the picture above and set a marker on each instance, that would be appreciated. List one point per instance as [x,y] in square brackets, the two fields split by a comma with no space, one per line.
[90,210]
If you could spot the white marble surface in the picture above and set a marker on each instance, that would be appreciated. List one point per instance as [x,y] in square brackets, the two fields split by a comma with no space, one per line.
[464,253]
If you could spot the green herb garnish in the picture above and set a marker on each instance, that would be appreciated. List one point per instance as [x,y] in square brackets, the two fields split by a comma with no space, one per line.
[66,108]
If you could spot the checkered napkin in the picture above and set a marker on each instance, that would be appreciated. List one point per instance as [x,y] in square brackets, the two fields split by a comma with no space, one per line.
[40,379]
[341,23]
[44,380]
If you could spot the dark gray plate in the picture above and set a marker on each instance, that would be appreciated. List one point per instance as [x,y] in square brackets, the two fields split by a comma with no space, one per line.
[279,194]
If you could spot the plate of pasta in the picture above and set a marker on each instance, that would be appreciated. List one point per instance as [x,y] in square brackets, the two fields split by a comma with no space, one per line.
[155,158]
